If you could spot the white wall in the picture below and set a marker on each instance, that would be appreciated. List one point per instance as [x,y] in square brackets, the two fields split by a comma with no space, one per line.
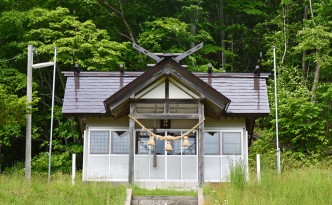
[115,167]
[225,122]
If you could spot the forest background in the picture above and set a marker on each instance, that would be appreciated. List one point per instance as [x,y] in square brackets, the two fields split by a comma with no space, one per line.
[238,35]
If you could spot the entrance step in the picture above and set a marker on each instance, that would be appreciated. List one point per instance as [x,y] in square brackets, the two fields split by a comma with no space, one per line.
[164,200]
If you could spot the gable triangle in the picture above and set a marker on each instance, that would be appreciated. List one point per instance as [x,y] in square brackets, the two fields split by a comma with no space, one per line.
[158,91]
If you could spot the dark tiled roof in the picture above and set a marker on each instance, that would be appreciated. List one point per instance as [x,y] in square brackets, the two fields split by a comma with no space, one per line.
[85,94]
[248,95]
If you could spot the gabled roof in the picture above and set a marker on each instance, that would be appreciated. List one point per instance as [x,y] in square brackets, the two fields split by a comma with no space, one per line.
[171,68]
[86,93]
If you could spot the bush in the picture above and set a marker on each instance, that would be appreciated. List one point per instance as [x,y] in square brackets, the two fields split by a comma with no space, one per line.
[60,162]
[18,167]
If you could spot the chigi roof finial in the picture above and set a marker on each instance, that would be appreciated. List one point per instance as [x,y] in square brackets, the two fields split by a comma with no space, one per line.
[175,56]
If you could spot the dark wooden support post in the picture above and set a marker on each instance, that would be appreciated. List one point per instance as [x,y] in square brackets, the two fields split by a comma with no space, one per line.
[131,145]
[166,110]
[201,146]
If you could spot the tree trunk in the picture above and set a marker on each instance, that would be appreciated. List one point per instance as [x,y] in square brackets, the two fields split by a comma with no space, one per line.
[222,32]
[193,26]
[304,53]
[120,14]
[312,13]
[285,10]
[193,29]
[316,77]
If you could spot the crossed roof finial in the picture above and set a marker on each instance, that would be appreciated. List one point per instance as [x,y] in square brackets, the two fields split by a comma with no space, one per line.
[160,56]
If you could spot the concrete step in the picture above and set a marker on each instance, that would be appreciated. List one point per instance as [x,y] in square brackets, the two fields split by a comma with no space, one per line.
[164,200]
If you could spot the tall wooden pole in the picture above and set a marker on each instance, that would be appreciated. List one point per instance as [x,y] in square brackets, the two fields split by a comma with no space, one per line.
[28,117]
[201,145]
[131,145]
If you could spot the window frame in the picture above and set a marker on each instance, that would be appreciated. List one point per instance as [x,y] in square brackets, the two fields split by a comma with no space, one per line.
[111,142]
[90,139]
[137,145]
[219,142]
[223,142]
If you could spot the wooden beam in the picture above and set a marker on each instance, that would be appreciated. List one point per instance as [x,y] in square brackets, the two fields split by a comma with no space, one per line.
[171,101]
[166,116]
[131,145]
[201,146]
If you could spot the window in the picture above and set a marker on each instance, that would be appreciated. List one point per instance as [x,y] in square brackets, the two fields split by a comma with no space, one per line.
[99,142]
[159,147]
[231,143]
[176,144]
[142,146]
[120,142]
[212,143]
[191,149]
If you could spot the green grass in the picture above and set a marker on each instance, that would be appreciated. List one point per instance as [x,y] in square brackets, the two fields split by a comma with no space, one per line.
[302,186]
[14,190]
[162,192]
[237,175]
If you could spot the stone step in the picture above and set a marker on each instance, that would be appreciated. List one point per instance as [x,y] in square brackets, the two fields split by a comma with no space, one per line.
[164,200]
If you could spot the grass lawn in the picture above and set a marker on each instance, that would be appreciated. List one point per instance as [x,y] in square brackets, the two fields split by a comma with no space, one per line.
[302,186]
[14,190]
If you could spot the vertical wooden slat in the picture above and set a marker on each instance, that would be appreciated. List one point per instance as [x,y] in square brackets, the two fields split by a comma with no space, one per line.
[201,146]
[131,145]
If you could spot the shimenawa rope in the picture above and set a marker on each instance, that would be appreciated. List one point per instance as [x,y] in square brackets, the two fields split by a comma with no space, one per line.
[168,137]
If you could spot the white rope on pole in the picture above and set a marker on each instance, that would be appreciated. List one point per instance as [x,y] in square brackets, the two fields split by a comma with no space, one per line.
[276,109]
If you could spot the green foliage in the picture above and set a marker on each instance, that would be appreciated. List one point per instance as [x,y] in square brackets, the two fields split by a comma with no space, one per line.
[314,38]
[165,35]
[12,107]
[17,168]
[60,162]
[174,36]
[91,46]
[301,126]
[64,143]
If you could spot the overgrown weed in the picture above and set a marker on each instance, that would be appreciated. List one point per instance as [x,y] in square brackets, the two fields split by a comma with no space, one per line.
[301,186]
[15,190]
[237,175]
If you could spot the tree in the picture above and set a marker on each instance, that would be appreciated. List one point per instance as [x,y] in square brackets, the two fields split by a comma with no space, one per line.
[12,107]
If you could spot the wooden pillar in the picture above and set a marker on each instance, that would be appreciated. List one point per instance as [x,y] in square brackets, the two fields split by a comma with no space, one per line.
[131,145]
[201,146]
